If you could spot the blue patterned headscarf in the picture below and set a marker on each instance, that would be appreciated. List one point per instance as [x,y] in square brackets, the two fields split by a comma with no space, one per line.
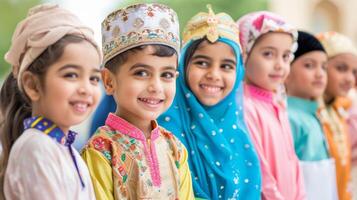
[222,160]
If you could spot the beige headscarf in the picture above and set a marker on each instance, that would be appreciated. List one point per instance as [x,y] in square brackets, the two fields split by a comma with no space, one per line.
[336,43]
[44,25]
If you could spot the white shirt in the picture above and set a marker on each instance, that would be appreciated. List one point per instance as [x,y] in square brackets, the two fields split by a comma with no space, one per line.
[41,168]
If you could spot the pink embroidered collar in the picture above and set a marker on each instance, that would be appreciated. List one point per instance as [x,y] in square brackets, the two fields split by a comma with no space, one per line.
[127,128]
[259,93]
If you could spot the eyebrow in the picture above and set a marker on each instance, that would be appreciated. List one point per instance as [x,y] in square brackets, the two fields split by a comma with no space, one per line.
[68,66]
[77,67]
[208,58]
[269,47]
[170,68]
[341,64]
[201,56]
[142,65]
[275,49]
[230,61]
[310,59]
[289,51]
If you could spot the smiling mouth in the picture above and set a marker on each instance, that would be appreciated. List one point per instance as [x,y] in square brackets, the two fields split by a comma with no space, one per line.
[151,102]
[80,106]
[318,83]
[275,76]
[211,89]
[346,87]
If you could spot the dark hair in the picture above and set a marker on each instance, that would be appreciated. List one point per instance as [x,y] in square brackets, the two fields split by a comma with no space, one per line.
[191,50]
[159,50]
[15,106]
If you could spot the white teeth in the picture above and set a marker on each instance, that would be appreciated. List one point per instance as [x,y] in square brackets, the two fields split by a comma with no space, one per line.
[150,101]
[212,89]
[81,107]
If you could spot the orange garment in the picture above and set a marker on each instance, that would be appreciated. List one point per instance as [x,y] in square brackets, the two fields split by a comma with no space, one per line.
[333,118]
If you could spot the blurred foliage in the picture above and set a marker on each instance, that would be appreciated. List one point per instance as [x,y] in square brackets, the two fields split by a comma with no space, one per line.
[11,12]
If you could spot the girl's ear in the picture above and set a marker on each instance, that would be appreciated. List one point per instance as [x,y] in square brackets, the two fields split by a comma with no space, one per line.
[31,86]
[108,81]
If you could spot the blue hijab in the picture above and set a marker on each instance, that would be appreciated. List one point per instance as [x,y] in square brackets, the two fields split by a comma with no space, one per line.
[222,160]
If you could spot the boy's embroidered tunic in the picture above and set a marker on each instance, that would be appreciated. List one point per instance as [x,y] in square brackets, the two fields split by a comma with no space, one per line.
[126,165]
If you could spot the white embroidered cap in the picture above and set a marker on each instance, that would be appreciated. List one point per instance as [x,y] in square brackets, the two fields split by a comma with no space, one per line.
[137,25]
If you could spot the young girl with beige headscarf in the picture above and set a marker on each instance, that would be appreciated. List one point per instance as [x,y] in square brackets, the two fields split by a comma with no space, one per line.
[53,85]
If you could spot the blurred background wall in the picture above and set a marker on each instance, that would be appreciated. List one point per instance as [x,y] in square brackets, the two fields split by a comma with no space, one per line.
[319,15]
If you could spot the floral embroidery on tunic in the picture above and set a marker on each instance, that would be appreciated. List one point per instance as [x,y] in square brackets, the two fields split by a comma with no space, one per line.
[128,159]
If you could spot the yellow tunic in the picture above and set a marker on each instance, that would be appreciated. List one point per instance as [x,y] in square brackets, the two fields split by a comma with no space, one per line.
[124,165]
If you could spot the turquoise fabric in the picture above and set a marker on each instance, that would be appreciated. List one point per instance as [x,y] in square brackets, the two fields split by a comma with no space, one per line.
[309,139]
[222,160]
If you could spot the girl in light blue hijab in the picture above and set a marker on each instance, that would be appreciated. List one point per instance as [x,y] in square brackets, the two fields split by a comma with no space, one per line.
[207,113]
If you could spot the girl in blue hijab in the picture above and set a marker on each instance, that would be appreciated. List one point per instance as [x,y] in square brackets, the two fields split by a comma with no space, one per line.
[207,113]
